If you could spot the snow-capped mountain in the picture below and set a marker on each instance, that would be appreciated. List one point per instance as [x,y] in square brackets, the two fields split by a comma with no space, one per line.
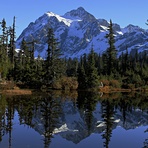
[78,30]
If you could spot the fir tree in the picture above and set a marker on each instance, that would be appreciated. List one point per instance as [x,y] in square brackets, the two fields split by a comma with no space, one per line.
[111,50]
[72,67]
[53,63]
[12,43]
[4,60]
[82,79]
[92,73]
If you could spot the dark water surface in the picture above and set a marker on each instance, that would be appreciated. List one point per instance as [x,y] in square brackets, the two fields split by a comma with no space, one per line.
[74,120]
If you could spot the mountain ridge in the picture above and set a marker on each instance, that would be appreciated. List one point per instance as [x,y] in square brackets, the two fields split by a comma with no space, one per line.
[77,30]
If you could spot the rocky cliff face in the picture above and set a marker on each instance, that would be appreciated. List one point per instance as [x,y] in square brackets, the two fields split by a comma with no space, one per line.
[78,30]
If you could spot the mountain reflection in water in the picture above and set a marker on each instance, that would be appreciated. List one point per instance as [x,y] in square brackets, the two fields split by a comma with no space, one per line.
[75,119]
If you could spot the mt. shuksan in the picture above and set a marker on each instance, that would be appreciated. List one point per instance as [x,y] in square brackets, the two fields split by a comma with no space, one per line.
[76,32]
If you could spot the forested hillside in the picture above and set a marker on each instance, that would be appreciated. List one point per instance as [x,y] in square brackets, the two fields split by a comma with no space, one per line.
[129,70]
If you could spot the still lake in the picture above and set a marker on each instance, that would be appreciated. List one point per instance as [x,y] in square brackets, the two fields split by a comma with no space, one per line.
[74,120]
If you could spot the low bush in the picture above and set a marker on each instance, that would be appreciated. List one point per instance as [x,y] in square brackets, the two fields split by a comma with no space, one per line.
[66,83]
[131,86]
[105,82]
[115,84]
[112,83]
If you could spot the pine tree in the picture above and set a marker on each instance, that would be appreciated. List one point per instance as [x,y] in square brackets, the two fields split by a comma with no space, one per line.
[11,50]
[12,43]
[92,73]
[4,60]
[111,52]
[53,64]
[105,62]
[18,67]
[72,67]
[25,62]
[39,69]
[82,79]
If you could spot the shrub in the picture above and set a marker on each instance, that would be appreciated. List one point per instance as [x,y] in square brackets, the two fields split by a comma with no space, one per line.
[112,83]
[66,83]
[115,83]
[105,82]
[131,86]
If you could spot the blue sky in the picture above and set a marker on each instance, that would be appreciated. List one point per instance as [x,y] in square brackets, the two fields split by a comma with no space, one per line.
[123,12]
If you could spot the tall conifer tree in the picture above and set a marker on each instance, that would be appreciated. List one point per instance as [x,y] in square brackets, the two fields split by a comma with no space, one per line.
[53,64]
[111,50]
[82,79]
[92,73]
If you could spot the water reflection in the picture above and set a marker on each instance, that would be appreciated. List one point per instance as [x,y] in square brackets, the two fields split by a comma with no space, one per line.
[50,111]
[146,140]
[74,116]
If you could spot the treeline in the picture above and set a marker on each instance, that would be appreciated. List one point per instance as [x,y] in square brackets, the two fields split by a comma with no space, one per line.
[129,70]
[7,49]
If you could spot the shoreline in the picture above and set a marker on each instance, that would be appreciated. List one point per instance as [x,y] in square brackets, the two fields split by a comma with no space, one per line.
[102,90]
[107,89]
[17,92]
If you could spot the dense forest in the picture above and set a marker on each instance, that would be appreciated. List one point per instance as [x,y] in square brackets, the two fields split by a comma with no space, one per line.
[128,70]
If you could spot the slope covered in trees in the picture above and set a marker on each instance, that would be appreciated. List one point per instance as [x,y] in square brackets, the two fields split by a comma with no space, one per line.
[89,72]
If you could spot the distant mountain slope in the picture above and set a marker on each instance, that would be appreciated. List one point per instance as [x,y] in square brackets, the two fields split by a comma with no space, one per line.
[78,30]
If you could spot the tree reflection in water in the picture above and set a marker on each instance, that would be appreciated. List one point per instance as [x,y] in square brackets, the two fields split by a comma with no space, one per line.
[3,105]
[10,116]
[110,103]
[48,111]
[146,141]
[6,117]
[28,107]
[86,103]
[108,118]
[47,107]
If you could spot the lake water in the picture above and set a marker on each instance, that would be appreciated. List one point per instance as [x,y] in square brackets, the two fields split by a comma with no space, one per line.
[74,120]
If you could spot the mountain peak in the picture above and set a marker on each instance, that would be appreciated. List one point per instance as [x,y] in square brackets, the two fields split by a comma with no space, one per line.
[77,30]
[81,9]
[77,12]
[132,28]
[80,13]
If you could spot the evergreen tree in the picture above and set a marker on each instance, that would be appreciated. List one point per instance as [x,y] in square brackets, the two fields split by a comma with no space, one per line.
[4,60]
[72,67]
[123,63]
[92,73]
[18,70]
[53,63]
[99,64]
[111,52]
[25,62]
[12,43]
[39,69]
[11,50]
[82,79]
[105,62]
